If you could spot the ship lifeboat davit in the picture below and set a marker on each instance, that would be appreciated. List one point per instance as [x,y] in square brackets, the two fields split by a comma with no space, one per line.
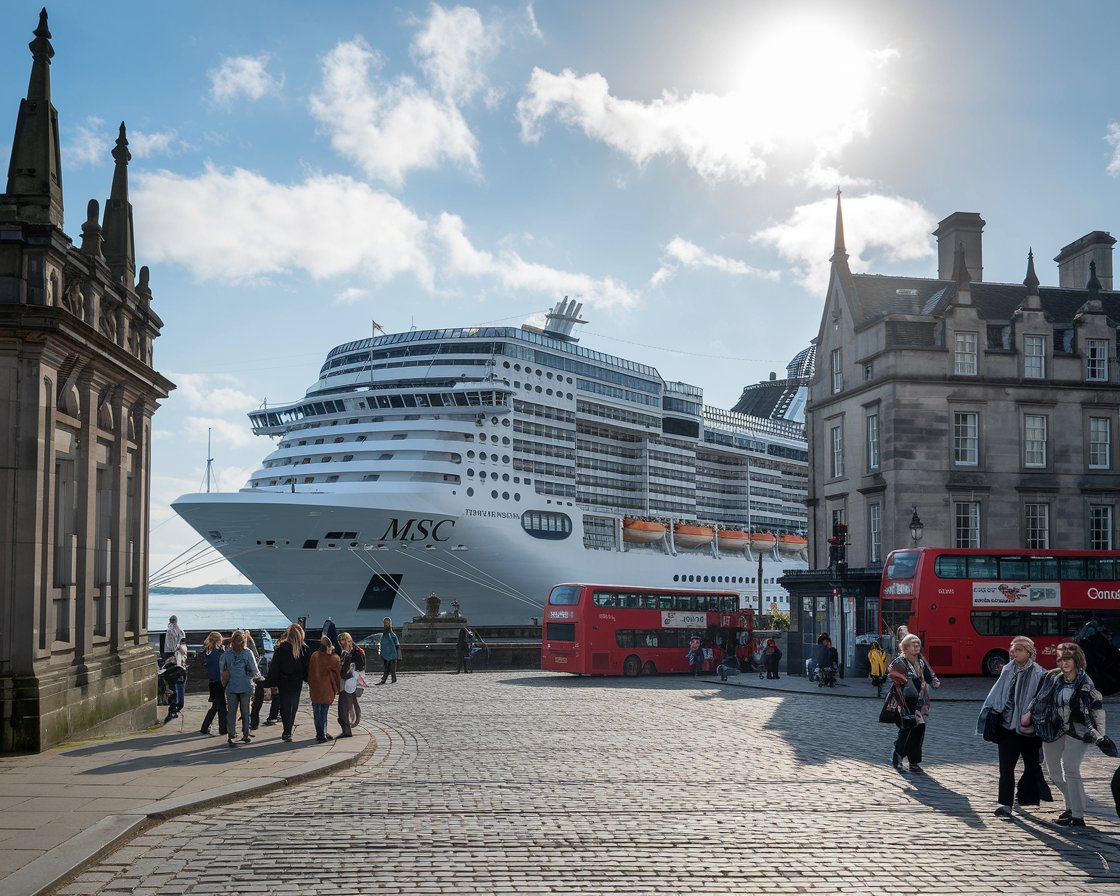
[693,536]
[763,541]
[642,531]
[792,544]
[733,540]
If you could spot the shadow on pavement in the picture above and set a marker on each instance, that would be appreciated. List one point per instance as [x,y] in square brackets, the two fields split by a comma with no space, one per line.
[1093,853]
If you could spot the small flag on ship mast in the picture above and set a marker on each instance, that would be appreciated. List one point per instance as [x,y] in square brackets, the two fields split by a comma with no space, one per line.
[376,327]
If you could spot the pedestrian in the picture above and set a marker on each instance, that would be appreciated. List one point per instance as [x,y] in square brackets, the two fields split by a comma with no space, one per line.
[286,676]
[695,655]
[1068,714]
[173,637]
[259,691]
[877,660]
[331,631]
[324,681]
[911,677]
[174,672]
[463,649]
[728,666]
[213,650]
[1011,698]
[239,671]
[771,656]
[352,661]
[390,649]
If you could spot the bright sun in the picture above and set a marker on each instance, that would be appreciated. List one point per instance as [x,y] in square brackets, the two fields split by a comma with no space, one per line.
[806,79]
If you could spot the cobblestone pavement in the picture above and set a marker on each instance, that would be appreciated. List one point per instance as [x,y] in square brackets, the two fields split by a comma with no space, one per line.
[531,783]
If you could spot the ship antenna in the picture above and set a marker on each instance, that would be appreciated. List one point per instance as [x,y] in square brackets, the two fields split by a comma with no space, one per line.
[209,460]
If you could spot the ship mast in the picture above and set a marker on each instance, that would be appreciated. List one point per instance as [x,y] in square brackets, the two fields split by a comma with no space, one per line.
[209,460]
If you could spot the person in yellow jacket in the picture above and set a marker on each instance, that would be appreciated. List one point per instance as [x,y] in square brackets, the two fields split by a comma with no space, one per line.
[877,659]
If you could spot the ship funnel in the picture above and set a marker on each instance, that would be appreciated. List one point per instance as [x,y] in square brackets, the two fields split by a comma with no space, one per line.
[563,318]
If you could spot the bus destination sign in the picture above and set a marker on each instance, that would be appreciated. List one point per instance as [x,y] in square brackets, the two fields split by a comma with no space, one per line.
[1016,594]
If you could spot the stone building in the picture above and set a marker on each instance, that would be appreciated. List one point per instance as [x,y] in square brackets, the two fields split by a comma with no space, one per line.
[990,409]
[77,394]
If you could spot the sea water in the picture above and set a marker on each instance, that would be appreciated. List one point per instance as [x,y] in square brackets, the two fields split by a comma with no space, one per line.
[214,612]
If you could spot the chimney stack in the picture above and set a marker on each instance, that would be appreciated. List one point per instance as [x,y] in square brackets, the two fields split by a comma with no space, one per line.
[1073,261]
[960,228]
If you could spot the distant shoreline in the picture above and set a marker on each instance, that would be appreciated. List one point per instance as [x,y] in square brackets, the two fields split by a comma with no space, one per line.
[207,589]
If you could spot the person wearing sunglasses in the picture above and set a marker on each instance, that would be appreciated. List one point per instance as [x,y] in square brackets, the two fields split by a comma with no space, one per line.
[1068,714]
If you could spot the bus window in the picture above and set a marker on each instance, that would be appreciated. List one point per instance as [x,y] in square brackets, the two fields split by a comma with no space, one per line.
[1013,568]
[1100,568]
[1073,567]
[1043,569]
[903,565]
[647,601]
[950,567]
[982,568]
[561,631]
[564,595]
[665,602]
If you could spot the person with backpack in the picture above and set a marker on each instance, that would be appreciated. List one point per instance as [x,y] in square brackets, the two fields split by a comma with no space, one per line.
[695,655]
[877,660]
[1068,714]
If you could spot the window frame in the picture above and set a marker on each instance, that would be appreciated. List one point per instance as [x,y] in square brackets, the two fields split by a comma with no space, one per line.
[1036,525]
[1097,448]
[1096,360]
[963,351]
[961,443]
[1033,358]
[871,429]
[971,514]
[1036,452]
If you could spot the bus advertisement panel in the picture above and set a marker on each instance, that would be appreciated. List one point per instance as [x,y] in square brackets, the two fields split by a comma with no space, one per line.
[967,603]
[619,630]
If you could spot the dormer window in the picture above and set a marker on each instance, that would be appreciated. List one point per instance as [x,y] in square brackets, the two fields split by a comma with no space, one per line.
[964,354]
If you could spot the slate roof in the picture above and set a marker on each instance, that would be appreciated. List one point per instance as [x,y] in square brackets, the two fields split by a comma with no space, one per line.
[879,296]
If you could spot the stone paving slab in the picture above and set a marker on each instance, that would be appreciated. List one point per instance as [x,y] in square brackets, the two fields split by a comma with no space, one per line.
[530,783]
[62,808]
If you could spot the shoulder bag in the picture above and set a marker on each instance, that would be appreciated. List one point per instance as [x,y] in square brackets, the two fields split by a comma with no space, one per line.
[993,725]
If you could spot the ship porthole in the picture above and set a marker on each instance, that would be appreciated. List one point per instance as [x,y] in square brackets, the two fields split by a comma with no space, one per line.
[470,492]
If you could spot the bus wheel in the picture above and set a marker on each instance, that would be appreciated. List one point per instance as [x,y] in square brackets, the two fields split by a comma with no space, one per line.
[631,666]
[994,663]
[649,669]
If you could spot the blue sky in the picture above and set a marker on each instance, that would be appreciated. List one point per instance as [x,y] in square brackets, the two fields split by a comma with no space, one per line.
[300,170]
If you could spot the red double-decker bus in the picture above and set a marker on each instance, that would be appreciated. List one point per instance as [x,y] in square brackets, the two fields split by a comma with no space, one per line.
[967,603]
[622,630]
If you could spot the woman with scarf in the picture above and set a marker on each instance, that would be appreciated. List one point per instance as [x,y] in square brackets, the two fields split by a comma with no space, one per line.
[1011,698]
[1069,714]
[910,677]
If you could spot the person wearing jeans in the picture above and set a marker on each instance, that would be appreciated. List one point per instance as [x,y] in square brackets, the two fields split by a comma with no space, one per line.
[239,670]
[390,649]
[324,681]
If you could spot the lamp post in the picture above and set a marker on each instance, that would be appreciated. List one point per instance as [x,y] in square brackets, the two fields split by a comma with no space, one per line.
[916,527]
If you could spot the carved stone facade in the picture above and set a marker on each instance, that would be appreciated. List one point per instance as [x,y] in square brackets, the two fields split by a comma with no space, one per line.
[77,394]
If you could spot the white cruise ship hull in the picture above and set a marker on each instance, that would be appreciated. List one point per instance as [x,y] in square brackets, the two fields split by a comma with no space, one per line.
[483,558]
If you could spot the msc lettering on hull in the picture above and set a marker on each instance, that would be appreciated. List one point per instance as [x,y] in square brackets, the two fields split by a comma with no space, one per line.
[414,529]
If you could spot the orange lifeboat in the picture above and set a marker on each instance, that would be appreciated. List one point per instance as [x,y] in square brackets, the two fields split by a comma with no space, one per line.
[733,540]
[687,536]
[792,544]
[763,541]
[642,531]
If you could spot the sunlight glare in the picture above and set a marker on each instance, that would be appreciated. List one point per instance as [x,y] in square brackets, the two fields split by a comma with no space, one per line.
[806,79]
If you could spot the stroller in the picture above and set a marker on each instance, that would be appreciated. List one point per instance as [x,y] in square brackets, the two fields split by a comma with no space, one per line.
[826,676]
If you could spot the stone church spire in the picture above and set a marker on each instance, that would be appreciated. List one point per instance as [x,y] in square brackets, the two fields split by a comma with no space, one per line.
[839,252]
[119,248]
[34,192]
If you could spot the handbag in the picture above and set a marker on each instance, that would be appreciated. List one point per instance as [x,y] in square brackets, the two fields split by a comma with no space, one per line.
[993,725]
[360,684]
[889,714]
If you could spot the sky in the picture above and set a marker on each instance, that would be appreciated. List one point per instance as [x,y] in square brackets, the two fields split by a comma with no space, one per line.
[301,170]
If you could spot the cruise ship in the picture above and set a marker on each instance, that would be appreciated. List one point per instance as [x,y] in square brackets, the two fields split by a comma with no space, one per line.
[486,464]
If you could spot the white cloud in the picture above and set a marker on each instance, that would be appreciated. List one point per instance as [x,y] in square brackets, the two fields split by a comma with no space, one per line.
[235,434]
[1113,138]
[452,48]
[212,392]
[682,253]
[243,76]
[710,133]
[90,144]
[239,226]
[352,294]
[516,275]
[143,145]
[893,228]
[388,128]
